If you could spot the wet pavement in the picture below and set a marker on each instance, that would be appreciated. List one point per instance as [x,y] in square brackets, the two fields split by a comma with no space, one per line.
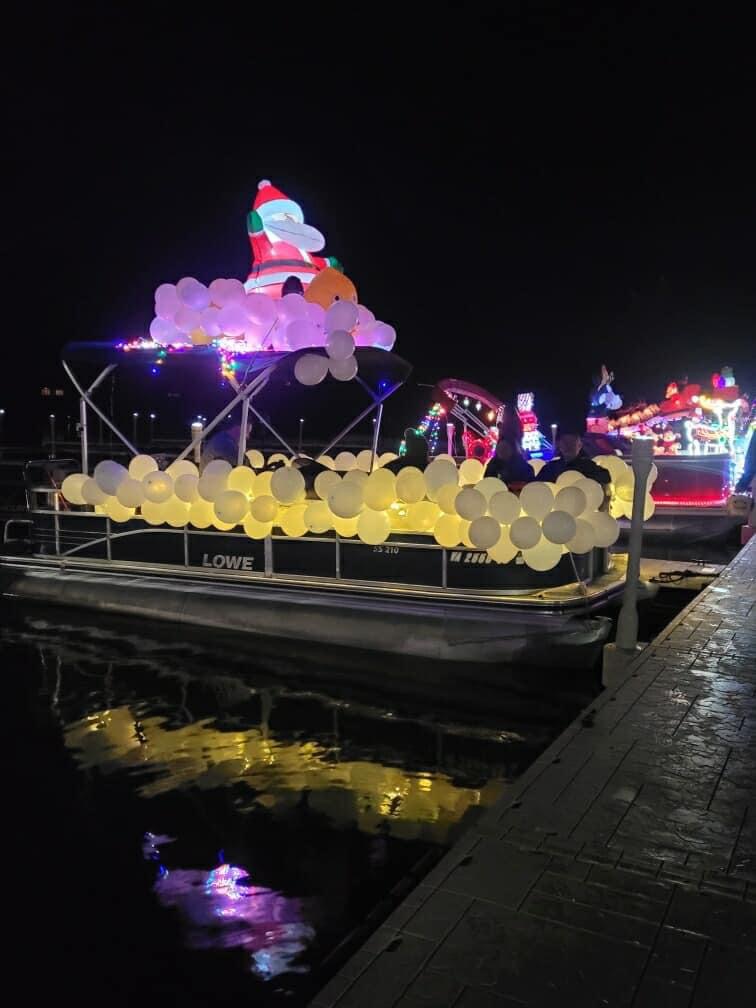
[621,868]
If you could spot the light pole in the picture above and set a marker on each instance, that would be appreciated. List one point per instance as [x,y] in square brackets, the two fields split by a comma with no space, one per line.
[301,427]
[52,435]
[2,421]
[554,436]
[196,431]
[152,428]
[134,422]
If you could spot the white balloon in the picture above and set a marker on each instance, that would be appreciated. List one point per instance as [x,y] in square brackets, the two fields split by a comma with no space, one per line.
[346,500]
[158,487]
[311,369]
[572,500]
[559,527]
[568,477]
[343,370]
[594,493]
[259,309]
[226,292]
[185,487]
[231,506]
[91,493]
[470,504]
[339,345]
[536,465]
[584,539]
[504,506]
[325,483]
[484,532]
[187,319]
[605,528]
[440,473]
[167,302]
[287,485]
[341,315]
[525,532]
[536,500]
[108,475]
[139,466]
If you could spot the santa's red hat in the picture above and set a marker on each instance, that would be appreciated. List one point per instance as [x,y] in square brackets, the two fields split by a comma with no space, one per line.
[271,200]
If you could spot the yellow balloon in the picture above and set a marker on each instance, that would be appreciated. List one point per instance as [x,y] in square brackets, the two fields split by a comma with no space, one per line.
[242,478]
[182,468]
[140,465]
[448,531]
[158,486]
[277,457]
[117,512]
[71,488]
[264,509]
[373,527]
[345,527]
[255,458]
[176,513]
[292,521]
[287,485]
[447,496]
[318,517]
[505,550]
[199,337]
[471,471]
[536,500]
[387,457]
[344,461]
[325,483]
[262,484]
[256,529]
[325,460]
[130,492]
[543,556]
[489,486]
[504,506]
[201,513]
[154,514]
[410,485]
[423,515]
[380,489]
[364,460]
[357,476]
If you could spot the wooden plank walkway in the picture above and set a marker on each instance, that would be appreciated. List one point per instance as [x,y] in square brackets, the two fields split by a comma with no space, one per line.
[621,868]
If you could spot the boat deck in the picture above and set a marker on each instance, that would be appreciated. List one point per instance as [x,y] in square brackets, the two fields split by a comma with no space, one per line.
[621,868]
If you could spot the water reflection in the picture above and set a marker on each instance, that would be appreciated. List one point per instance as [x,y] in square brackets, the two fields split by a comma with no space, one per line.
[273,816]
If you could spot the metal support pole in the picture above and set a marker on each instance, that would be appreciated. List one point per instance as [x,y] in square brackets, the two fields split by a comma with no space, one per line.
[243,433]
[98,411]
[273,431]
[627,624]
[84,436]
[376,434]
[368,409]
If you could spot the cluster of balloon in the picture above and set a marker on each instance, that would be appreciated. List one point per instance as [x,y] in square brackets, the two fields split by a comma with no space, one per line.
[353,496]
[191,314]
[622,487]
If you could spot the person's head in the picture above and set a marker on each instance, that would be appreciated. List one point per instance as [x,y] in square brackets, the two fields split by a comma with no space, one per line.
[506,448]
[569,446]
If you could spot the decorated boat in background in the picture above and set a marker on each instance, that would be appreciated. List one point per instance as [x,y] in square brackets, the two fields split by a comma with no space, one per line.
[440,563]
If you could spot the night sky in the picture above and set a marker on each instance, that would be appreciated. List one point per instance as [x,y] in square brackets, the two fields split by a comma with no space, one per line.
[524,196]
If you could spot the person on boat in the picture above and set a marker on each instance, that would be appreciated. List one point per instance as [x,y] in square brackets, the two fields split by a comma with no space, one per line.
[508,464]
[572,458]
[416,454]
[749,468]
[223,444]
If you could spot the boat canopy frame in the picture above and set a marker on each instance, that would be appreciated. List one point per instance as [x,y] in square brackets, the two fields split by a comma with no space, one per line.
[245,392]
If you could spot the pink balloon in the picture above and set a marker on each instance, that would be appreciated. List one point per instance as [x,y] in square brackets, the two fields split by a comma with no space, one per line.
[316,314]
[300,334]
[166,302]
[260,309]
[193,294]
[383,336]
[232,320]
[253,338]
[364,316]
[187,319]
[210,322]
[227,292]
[292,307]
[363,335]
[161,331]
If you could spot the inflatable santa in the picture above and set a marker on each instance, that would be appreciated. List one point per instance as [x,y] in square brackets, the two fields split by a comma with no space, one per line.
[282,245]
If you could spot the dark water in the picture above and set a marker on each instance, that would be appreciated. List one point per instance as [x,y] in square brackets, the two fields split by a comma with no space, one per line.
[193,821]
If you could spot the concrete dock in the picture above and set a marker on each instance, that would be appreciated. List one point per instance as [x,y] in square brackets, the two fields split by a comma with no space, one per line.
[621,868]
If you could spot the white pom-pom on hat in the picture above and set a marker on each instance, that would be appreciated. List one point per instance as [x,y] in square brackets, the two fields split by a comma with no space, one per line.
[263,183]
